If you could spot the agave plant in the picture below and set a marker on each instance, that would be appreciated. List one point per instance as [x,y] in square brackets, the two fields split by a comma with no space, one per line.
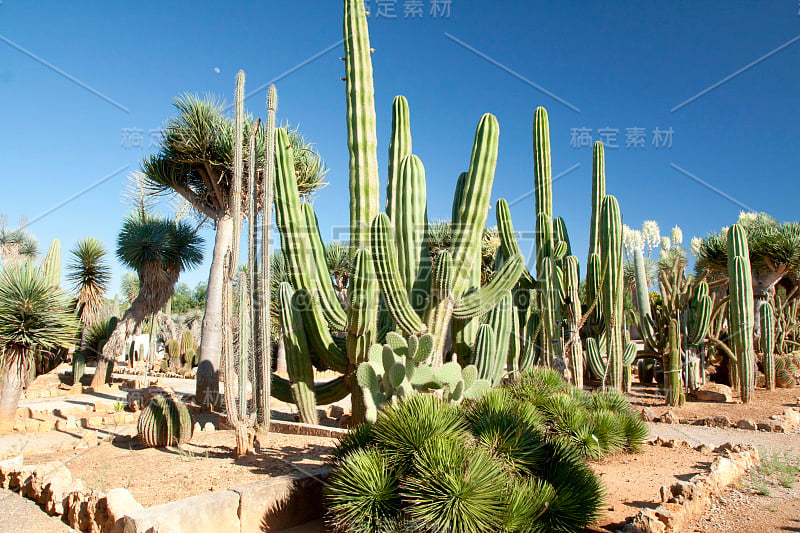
[159,250]
[89,274]
[33,317]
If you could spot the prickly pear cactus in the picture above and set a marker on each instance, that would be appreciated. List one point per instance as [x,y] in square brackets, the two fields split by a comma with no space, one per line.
[398,368]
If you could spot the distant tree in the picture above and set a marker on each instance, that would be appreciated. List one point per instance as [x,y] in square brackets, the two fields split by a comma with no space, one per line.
[16,244]
[158,250]
[89,274]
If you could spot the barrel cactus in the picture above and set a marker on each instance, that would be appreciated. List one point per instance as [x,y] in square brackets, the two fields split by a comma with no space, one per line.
[164,422]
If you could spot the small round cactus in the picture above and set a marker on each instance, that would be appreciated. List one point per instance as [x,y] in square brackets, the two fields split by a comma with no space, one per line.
[165,422]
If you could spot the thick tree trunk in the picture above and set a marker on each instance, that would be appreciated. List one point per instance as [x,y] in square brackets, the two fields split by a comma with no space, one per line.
[207,387]
[10,391]
[157,287]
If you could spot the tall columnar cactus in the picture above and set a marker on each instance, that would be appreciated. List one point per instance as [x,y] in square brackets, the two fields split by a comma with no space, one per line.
[740,289]
[672,372]
[298,360]
[263,293]
[598,193]
[572,302]
[768,344]
[78,366]
[51,264]
[612,286]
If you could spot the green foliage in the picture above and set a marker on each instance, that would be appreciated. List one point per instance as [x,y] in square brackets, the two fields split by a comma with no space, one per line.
[511,460]
[147,240]
[89,273]
[186,299]
[165,421]
[33,315]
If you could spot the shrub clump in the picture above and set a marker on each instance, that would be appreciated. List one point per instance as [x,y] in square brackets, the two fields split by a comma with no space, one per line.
[513,460]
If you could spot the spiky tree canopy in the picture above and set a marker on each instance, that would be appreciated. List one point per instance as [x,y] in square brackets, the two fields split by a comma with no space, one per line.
[89,273]
[151,241]
[16,243]
[32,313]
[774,247]
[195,158]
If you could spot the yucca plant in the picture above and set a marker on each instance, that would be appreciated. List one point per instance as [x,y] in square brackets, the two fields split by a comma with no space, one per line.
[195,161]
[89,273]
[159,250]
[33,316]
[16,244]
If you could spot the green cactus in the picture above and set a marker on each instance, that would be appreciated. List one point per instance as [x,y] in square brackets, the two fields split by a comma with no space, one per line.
[78,367]
[598,193]
[740,290]
[165,421]
[572,304]
[612,287]
[51,264]
[398,369]
[672,372]
[767,342]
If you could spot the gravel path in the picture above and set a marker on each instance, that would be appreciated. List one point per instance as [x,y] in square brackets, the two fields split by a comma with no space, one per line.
[19,515]
[696,435]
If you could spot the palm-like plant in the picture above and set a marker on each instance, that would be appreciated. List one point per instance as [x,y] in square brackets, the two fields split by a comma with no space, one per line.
[89,274]
[774,253]
[158,250]
[33,317]
[195,161]
[16,244]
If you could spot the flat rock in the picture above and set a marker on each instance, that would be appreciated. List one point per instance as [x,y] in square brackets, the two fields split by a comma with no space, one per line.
[648,415]
[714,392]
[746,423]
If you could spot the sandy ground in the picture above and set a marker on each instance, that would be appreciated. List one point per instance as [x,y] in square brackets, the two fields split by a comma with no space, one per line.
[158,475]
[20,515]
[632,482]
[764,404]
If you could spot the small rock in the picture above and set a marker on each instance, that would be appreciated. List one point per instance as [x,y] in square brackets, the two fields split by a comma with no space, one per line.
[746,423]
[672,443]
[792,416]
[721,421]
[670,418]
[683,489]
[120,502]
[336,412]
[765,425]
[705,449]
[666,493]
[209,427]
[714,392]
[7,466]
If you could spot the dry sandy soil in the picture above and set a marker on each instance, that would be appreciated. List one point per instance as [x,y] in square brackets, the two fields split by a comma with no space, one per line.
[758,503]
[765,404]
[632,482]
[156,476]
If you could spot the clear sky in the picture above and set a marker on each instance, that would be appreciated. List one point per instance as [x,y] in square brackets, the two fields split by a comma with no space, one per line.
[80,81]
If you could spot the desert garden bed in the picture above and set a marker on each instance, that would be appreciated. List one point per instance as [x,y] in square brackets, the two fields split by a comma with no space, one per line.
[159,475]
[763,405]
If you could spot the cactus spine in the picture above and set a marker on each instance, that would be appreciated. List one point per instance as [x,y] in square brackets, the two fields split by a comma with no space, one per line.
[740,289]
[768,344]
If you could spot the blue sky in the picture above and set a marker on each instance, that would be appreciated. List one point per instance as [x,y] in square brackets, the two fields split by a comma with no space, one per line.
[623,67]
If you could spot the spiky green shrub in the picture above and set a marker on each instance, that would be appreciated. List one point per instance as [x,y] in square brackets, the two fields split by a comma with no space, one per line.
[593,424]
[487,465]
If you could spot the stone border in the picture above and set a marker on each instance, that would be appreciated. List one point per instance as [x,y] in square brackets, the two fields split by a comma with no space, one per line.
[783,423]
[685,501]
[272,505]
